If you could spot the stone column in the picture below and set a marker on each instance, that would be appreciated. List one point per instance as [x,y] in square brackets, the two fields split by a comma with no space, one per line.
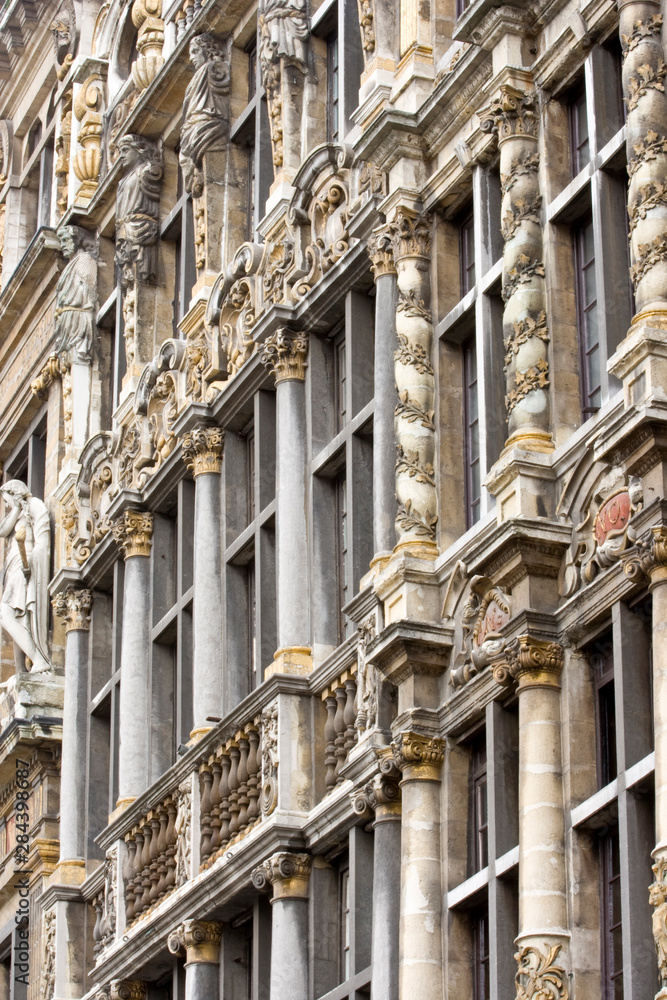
[133,531]
[384,459]
[289,875]
[421,971]
[543,933]
[200,939]
[202,451]
[73,606]
[513,117]
[285,353]
[415,382]
[651,561]
[383,797]
[127,989]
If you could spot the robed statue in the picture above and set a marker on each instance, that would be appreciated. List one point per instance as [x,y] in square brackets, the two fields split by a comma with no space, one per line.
[138,208]
[205,113]
[24,603]
[76,294]
[285,32]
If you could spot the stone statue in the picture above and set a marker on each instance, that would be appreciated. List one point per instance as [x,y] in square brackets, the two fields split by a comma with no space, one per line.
[658,899]
[138,208]
[286,31]
[24,603]
[76,294]
[205,116]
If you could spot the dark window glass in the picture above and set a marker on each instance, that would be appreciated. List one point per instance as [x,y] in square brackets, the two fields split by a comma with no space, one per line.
[471,417]
[478,794]
[610,917]
[341,533]
[332,92]
[467,254]
[480,942]
[340,378]
[587,317]
[605,709]
[580,139]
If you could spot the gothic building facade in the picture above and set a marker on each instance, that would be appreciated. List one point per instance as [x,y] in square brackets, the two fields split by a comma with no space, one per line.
[333,428]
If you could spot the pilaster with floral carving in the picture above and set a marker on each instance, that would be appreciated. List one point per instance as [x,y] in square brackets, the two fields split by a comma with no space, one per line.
[133,532]
[514,118]
[202,450]
[414,431]
[536,665]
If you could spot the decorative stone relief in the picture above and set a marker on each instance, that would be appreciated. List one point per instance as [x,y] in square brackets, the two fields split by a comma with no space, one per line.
[383,790]
[88,109]
[24,606]
[183,827]
[157,398]
[278,262]
[526,657]
[322,228]
[202,450]
[105,904]
[367,679]
[63,144]
[269,759]
[367,26]
[205,108]
[85,518]
[415,383]
[133,532]
[65,37]
[283,38]
[48,977]
[381,252]
[285,353]
[658,900]
[538,977]
[6,148]
[513,118]
[76,295]
[605,532]
[147,17]
[485,613]
[133,453]
[74,606]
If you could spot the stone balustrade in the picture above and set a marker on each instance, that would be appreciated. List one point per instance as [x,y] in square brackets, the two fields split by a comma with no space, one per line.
[340,729]
[156,854]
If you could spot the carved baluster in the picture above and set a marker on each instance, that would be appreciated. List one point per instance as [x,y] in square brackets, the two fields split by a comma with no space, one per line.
[136,873]
[234,790]
[339,725]
[206,777]
[188,8]
[97,930]
[145,900]
[224,799]
[170,853]
[129,881]
[179,20]
[350,715]
[330,742]
[253,775]
[155,856]
[162,851]
[243,783]
[216,768]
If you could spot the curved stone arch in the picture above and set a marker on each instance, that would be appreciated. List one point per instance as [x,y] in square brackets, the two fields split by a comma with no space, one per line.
[335,156]
[115,40]
[6,148]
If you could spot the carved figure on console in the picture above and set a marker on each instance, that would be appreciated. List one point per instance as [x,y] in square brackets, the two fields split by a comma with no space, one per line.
[286,32]
[24,603]
[76,294]
[205,116]
[138,208]
[65,38]
[658,900]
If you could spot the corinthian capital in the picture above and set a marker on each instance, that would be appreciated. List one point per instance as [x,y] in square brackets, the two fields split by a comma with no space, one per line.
[133,531]
[513,114]
[127,989]
[285,353]
[287,873]
[380,249]
[410,234]
[73,606]
[200,939]
[650,557]
[202,450]
[418,756]
[529,661]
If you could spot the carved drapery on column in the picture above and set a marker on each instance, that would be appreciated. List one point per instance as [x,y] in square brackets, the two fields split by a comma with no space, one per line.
[88,109]
[202,450]
[514,118]
[285,353]
[199,939]
[415,382]
[73,606]
[644,74]
[133,531]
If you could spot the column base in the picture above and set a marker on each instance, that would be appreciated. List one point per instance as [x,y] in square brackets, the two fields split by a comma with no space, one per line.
[121,806]
[291,660]
[540,441]
[417,549]
[71,871]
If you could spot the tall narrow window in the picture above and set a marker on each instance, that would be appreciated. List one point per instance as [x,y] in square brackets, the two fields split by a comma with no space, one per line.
[467,254]
[332,88]
[480,943]
[342,544]
[605,710]
[340,379]
[610,917]
[581,151]
[587,317]
[345,924]
[250,472]
[471,418]
[252,625]
[479,810]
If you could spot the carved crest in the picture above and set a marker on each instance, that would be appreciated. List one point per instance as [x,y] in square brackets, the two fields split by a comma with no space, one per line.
[485,613]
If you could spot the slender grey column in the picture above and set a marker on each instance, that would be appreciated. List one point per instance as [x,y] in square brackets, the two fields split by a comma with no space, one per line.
[202,450]
[200,940]
[134,533]
[289,875]
[384,440]
[285,353]
[73,606]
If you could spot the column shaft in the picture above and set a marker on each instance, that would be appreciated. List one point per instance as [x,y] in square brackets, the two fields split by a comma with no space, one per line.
[75,718]
[134,698]
[201,981]
[207,604]
[659,591]
[386,905]
[289,949]
[292,527]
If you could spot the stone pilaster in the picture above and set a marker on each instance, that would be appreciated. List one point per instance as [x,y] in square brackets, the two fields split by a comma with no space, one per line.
[421,971]
[650,560]
[543,936]
[202,451]
[380,251]
[133,531]
[285,354]
[414,429]
[514,117]
[200,940]
[288,875]
[73,606]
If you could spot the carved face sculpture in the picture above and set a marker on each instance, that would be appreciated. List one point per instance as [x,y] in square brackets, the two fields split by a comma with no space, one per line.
[656,894]
[60,30]
[67,242]
[197,54]
[128,154]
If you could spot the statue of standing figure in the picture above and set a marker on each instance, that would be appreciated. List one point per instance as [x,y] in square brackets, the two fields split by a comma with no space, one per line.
[205,112]
[24,602]
[138,209]
[76,294]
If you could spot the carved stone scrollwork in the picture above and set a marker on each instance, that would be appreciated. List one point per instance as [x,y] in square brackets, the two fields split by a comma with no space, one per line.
[418,756]
[128,989]
[65,37]
[74,606]
[329,239]
[287,873]
[133,532]
[88,109]
[538,977]
[658,900]
[285,352]
[202,450]
[55,367]
[650,556]
[529,661]
[199,939]
[269,762]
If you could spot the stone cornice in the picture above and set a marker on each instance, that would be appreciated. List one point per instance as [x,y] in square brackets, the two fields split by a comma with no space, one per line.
[411,647]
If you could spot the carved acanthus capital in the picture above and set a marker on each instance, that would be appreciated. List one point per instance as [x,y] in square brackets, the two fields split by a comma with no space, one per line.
[133,531]
[200,939]
[538,977]
[128,989]
[202,450]
[104,993]
[380,249]
[650,557]
[73,606]
[513,114]
[529,661]
[285,353]
[410,235]
[418,756]
[287,873]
